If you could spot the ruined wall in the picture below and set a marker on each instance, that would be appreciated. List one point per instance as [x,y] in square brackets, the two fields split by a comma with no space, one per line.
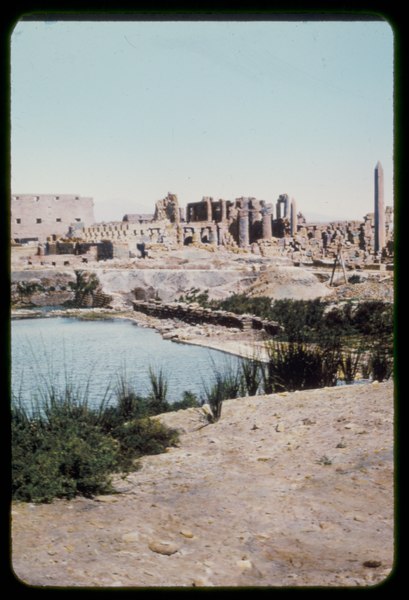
[239,222]
[40,216]
[196,314]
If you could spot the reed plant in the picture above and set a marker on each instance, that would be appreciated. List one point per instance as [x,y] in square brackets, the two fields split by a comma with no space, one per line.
[350,363]
[157,398]
[297,366]
[251,372]
[226,385]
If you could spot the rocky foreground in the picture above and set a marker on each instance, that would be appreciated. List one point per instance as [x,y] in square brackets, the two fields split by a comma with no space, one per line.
[285,490]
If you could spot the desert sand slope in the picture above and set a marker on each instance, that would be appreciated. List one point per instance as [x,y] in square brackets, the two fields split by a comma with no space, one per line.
[285,490]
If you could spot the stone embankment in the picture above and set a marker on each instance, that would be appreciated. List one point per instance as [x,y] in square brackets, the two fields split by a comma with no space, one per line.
[284,490]
[196,314]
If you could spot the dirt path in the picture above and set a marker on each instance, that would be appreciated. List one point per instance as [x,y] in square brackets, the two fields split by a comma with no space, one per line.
[285,490]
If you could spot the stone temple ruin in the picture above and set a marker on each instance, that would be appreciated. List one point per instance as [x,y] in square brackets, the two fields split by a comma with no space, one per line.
[243,224]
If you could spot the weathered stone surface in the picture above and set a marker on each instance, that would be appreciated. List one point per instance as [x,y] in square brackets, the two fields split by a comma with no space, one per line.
[281,521]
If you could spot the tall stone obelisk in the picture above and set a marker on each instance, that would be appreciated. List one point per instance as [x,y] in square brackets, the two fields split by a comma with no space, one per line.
[379,209]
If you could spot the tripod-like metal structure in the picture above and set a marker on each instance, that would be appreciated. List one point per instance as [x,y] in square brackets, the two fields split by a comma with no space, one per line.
[339,259]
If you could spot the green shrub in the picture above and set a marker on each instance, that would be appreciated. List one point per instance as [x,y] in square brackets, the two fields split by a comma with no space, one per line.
[241,303]
[195,295]
[301,319]
[143,436]
[55,459]
[129,404]
[374,319]
[62,448]
[189,400]
[312,322]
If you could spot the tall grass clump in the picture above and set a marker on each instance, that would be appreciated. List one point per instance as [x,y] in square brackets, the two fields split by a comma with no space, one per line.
[381,363]
[159,391]
[350,362]
[296,366]
[62,447]
[252,375]
[227,384]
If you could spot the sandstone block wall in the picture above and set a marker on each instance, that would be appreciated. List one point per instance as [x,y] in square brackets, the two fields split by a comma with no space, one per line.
[194,314]
[37,217]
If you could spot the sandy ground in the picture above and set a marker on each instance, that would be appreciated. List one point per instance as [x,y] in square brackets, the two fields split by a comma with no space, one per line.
[285,490]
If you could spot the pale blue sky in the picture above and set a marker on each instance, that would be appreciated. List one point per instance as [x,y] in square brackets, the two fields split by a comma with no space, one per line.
[127,111]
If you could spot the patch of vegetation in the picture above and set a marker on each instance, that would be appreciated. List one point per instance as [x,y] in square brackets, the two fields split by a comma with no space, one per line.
[226,384]
[87,291]
[381,363]
[295,366]
[197,296]
[189,400]
[159,389]
[62,447]
[251,373]
[60,453]
[22,292]
[314,320]
[301,319]
[349,363]
[360,333]
[243,304]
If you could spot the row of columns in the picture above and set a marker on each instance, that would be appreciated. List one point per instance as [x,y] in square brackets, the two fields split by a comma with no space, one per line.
[247,219]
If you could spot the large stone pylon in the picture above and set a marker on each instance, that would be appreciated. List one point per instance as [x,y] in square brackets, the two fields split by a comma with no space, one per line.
[379,209]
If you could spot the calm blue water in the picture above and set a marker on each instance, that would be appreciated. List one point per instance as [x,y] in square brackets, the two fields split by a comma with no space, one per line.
[98,353]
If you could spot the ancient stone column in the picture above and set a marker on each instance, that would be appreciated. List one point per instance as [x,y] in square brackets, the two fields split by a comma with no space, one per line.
[379,209]
[213,235]
[221,234]
[244,236]
[223,210]
[267,226]
[293,218]
[286,206]
[209,208]
[278,209]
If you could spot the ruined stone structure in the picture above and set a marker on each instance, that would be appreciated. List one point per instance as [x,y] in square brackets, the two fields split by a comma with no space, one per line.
[245,223]
[36,217]
[194,314]
[225,222]
[141,219]
[168,209]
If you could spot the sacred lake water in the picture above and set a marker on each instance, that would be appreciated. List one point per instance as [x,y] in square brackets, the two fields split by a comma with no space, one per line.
[97,354]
